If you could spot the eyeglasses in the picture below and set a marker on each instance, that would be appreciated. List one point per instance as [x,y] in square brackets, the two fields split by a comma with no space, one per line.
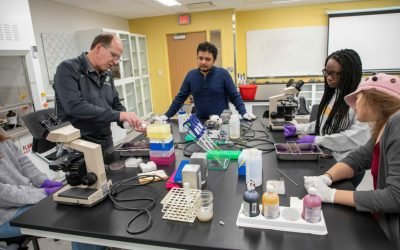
[333,74]
[116,57]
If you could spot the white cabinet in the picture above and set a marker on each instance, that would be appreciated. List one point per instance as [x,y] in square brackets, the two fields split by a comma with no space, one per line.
[313,93]
[141,75]
[131,75]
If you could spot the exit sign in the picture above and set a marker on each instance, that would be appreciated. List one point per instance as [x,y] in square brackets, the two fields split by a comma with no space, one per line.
[184,19]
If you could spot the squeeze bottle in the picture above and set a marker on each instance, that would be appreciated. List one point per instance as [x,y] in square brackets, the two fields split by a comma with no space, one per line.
[311,206]
[254,166]
[181,120]
[251,206]
[270,203]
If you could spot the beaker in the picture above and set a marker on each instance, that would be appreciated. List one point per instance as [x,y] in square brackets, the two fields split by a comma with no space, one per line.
[205,209]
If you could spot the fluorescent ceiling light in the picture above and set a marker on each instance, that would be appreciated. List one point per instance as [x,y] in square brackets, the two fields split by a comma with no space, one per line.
[169,2]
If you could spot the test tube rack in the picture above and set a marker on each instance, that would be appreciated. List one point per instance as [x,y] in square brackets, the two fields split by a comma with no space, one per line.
[181,205]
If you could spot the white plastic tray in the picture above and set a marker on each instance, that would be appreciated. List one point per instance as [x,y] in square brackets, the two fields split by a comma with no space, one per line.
[299,226]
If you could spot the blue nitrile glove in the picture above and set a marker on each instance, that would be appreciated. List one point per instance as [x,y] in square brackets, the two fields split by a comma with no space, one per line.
[52,190]
[307,139]
[289,130]
[50,184]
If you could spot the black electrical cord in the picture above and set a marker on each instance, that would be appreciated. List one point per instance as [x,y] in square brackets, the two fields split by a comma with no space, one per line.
[120,187]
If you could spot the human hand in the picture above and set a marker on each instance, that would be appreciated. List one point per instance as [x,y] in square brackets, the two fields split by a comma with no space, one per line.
[306,139]
[249,116]
[143,127]
[51,190]
[309,180]
[130,119]
[50,184]
[289,130]
[326,193]
[163,118]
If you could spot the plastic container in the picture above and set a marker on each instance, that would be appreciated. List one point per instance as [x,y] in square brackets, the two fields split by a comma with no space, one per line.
[163,161]
[312,206]
[234,127]
[291,223]
[242,162]
[162,145]
[223,154]
[254,166]
[300,152]
[181,119]
[159,131]
[270,203]
[178,172]
[162,153]
[248,91]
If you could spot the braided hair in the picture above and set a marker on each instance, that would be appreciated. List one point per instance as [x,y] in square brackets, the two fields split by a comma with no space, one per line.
[350,77]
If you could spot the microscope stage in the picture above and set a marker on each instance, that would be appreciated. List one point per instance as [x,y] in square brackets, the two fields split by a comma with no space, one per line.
[77,193]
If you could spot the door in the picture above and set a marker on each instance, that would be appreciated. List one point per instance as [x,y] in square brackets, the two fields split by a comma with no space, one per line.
[182,56]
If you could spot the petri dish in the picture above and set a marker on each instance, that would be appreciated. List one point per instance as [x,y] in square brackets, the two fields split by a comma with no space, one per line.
[117,165]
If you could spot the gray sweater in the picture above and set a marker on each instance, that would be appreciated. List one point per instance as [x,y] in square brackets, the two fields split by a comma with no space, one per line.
[19,181]
[386,198]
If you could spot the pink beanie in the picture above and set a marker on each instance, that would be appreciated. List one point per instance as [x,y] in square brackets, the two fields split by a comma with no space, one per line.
[388,84]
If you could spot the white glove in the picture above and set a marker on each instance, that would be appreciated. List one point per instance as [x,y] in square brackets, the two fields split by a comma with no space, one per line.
[162,118]
[324,178]
[249,116]
[326,193]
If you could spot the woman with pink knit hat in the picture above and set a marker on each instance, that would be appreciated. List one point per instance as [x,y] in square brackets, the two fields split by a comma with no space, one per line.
[377,101]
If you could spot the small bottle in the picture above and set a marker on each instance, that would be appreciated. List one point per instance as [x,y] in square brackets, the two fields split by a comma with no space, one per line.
[11,118]
[270,203]
[251,206]
[311,206]
[234,127]
[254,166]
[181,119]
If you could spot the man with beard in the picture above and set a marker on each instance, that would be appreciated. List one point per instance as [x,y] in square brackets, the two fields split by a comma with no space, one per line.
[211,87]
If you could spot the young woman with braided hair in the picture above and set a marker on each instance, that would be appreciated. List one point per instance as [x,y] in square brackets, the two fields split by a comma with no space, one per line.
[336,127]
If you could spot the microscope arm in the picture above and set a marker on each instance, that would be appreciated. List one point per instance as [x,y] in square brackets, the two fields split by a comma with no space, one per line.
[93,159]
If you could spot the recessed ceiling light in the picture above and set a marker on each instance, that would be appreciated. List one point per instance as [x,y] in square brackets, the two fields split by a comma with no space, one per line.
[169,2]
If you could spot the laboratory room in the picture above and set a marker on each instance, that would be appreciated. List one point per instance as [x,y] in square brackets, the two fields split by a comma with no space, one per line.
[192,124]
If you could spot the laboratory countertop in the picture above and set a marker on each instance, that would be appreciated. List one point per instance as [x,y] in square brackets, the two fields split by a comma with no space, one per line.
[347,229]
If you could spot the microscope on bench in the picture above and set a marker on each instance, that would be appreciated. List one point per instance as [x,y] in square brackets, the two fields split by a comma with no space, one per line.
[83,165]
[283,107]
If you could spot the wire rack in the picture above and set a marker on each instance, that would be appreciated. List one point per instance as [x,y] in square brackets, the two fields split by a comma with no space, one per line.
[181,205]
